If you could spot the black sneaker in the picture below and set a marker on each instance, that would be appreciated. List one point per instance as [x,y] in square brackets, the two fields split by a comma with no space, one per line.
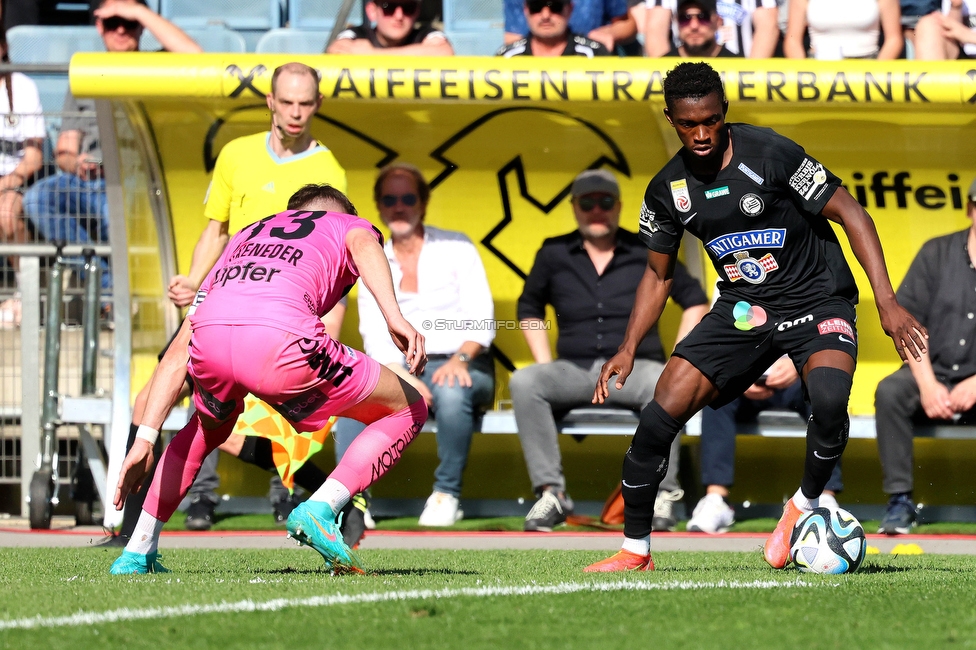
[549,511]
[353,520]
[282,508]
[200,515]
[900,517]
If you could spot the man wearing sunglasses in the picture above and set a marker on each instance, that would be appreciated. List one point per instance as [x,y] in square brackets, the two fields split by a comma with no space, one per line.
[549,33]
[392,29]
[747,28]
[941,387]
[606,21]
[590,277]
[698,22]
[71,205]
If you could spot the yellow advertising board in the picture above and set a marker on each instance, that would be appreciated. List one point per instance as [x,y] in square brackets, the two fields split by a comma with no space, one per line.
[501,140]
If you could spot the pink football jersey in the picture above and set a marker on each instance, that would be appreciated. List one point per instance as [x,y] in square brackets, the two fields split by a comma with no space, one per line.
[285,271]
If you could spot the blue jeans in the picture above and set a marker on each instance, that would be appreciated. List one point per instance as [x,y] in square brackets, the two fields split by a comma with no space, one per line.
[717,443]
[455,408]
[65,208]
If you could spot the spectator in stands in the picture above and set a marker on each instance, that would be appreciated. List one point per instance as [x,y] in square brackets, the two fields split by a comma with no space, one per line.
[590,278]
[941,387]
[779,388]
[606,21]
[746,27]
[438,278]
[922,24]
[70,206]
[959,34]
[550,33]
[396,31]
[844,29]
[22,135]
[698,24]
[279,161]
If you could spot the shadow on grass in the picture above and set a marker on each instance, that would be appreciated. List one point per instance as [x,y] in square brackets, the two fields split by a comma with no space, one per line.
[879,568]
[373,572]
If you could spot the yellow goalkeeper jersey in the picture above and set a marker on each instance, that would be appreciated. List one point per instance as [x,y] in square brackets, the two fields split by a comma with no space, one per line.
[251,182]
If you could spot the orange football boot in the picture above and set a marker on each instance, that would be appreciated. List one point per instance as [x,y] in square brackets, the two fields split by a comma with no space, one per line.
[622,561]
[777,547]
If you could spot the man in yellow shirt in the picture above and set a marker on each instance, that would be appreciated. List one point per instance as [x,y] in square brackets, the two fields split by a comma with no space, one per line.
[253,178]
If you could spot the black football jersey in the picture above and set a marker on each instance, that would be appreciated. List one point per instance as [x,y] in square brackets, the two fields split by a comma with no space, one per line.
[758,218]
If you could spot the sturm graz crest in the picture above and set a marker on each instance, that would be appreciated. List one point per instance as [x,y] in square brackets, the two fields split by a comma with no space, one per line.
[751,205]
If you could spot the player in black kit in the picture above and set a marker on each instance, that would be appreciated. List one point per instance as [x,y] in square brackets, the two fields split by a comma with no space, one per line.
[762,208]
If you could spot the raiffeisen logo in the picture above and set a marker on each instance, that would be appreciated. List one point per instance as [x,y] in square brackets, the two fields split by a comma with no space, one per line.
[897,190]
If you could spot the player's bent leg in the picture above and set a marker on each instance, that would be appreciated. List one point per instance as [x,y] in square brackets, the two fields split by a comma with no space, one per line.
[396,413]
[682,390]
[175,473]
[829,389]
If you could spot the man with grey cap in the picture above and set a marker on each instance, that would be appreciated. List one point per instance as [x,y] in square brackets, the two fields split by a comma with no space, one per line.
[590,277]
[940,388]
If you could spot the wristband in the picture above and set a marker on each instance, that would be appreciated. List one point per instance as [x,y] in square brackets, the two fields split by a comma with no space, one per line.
[148,434]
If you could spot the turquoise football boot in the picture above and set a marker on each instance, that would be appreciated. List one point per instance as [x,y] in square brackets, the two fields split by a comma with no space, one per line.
[313,523]
[130,563]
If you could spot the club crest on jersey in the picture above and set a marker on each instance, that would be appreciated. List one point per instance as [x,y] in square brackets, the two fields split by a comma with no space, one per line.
[680,195]
[751,205]
[749,268]
[646,220]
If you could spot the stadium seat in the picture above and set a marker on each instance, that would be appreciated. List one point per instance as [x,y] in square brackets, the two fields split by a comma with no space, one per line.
[235,14]
[474,16]
[484,43]
[320,15]
[292,41]
[51,44]
[213,38]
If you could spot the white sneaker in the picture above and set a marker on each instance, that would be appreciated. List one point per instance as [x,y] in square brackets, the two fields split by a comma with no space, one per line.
[441,510]
[711,515]
[828,501]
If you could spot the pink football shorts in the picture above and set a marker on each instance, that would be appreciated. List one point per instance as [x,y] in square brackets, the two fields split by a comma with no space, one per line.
[307,380]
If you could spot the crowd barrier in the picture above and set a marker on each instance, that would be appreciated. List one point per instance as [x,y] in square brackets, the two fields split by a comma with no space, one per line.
[501,141]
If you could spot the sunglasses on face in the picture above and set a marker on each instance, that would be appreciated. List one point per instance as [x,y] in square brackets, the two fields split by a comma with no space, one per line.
[555,6]
[587,203]
[390,200]
[686,18]
[389,8]
[112,24]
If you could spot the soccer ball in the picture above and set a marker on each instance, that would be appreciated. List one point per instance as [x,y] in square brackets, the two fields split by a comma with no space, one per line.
[828,540]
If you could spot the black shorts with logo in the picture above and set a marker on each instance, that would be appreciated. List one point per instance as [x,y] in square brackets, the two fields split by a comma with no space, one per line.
[736,342]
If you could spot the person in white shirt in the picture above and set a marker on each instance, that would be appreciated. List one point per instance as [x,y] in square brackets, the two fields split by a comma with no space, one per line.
[442,289]
[844,29]
[21,137]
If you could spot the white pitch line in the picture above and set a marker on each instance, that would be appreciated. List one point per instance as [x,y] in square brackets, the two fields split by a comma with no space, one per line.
[126,614]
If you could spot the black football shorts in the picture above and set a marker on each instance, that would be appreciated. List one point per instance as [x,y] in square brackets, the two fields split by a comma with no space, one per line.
[736,342]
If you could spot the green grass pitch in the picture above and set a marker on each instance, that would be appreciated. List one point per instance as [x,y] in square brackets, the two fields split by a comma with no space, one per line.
[64,598]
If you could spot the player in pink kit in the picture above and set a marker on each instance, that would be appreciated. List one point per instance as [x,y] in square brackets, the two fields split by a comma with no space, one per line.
[255,328]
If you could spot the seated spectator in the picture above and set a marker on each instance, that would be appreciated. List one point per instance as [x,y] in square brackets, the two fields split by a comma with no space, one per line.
[439,278]
[780,388]
[396,31]
[608,22]
[844,29]
[590,277]
[70,206]
[22,135]
[746,28]
[550,35]
[959,34]
[938,36]
[941,387]
[698,23]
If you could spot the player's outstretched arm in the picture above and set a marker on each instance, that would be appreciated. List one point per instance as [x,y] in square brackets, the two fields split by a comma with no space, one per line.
[164,388]
[908,334]
[652,295]
[374,269]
